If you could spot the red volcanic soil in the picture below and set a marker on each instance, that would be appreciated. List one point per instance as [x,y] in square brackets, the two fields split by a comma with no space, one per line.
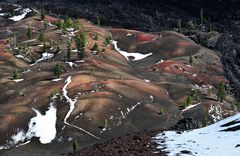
[174,67]
[144,37]
[3,42]
[51,19]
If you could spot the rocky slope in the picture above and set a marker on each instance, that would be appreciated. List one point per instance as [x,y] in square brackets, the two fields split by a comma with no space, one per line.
[137,82]
[158,15]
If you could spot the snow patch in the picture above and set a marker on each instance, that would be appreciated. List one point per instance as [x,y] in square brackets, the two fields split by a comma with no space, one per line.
[124,115]
[215,111]
[58,79]
[71,64]
[22,57]
[161,61]
[148,81]
[45,56]
[208,141]
[18,80]
[22,16]
[43,126]
[190,107]
[137,56]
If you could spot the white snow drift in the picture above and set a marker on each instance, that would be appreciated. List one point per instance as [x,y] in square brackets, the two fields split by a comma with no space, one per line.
[43,126]
[208,141]
[22,16]
[137,56]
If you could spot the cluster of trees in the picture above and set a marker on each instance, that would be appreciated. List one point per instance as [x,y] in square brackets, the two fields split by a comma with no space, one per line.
[203,20]
[68,23]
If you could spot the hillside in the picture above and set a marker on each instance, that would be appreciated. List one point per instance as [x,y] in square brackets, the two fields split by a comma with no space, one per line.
[80,81]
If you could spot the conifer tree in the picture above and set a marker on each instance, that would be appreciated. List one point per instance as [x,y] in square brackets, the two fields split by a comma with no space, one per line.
[81,53]
[29,32]
[69,52]
[95,47]
[16,74]
[58,70]
[44,47]
[96,37]
[83,38]
[58,49]
[191,59]
[201,16]
[107,41]
[76,146]
[221,92]
[179,25]
[41,37]
[42,14]
[60,24]
[98,21]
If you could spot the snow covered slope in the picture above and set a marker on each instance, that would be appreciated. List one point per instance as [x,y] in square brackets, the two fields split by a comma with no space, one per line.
[221,139]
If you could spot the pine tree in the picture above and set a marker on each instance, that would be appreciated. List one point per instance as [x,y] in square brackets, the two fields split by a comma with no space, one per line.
[69,52]
[81,53]
[221,93]
[76,146]
[58,49]
[161,111]
[16,74]
[41,37]
[191,59]
[98,21]
[95,47]
[29,32]
[107,40]
[13,12]
[69,23]
[45,25]
[179,25]
[201,16]
[96,37]
[44,47]
[58,70]
[60,24]
[42,14]
[83,38]
[189,100]
[105,123]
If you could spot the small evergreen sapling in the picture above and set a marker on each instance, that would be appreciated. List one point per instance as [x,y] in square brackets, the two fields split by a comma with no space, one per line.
[29,32]
[221,92]
[42,14]
[191,59]
[76,146]
[179,24]
[16,74]
[58,70]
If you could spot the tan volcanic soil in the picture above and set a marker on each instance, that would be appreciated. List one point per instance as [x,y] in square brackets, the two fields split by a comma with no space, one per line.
[106,85]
